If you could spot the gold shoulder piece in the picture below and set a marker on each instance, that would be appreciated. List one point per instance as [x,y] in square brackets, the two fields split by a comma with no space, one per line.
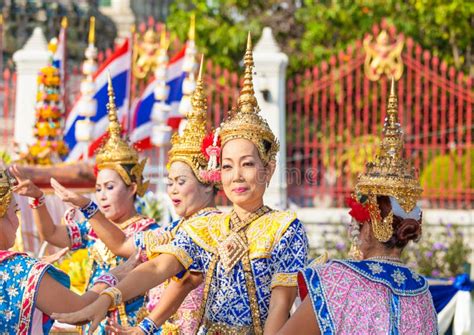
[206,231]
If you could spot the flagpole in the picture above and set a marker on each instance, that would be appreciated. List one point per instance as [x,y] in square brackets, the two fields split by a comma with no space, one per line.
[130,80]
[64,65]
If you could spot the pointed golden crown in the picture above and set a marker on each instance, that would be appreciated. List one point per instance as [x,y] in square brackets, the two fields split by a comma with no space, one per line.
[390,174]
[187,147]
[245,121]
[115,152]
[5,192]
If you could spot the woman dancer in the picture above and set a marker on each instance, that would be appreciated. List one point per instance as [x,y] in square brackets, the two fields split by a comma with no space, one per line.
[250,257]
[192,196]
[30,289]
[378,294]
[119,181]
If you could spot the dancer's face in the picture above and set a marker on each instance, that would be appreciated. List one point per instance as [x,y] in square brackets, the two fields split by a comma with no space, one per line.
[185,191]
[244,176]
[9,225]
[115,198]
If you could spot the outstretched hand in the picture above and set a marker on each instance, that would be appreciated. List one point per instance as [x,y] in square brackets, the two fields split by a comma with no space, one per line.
[123,269]
[25,186]
[117,329]
[95,313]
[55,257]
[68,196]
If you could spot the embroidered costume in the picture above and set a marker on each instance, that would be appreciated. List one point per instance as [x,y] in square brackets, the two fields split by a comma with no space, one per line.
[368,297]
[375,296]
[242,260]
[186,148]
[20,277]
[117,155]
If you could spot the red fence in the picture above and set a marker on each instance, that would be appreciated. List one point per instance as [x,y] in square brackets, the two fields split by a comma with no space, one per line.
[335,116]
[7,101]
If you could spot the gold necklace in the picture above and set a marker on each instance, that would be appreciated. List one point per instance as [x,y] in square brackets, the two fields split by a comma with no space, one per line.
[233,247]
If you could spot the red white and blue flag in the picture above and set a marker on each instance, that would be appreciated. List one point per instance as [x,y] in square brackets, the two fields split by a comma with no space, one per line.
[59,56]
[141,126]
[119,66]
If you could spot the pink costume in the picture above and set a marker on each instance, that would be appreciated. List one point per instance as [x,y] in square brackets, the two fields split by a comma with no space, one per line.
[368,297]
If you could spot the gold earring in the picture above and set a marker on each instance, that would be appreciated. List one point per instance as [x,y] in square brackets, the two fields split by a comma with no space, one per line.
[383,229]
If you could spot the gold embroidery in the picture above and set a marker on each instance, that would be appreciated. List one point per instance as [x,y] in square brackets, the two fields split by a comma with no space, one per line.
[179,253]
[231,250]
[234,246]
[284,279]
[262,234]
[153,239]
[214,328]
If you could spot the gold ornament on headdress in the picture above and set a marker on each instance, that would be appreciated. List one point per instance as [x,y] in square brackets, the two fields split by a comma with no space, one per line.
[390,174]
[116,153]
[246,122]
[5,192]
[187,147]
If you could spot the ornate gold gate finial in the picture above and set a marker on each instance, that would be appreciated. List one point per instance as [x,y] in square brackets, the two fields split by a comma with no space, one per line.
[145,52]
[383,57]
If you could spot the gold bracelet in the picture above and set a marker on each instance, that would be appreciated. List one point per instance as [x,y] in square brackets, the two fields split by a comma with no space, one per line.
[115,295]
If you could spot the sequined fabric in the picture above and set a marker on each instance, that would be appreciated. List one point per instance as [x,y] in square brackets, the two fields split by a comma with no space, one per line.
[185,320]
[228,299]
[20,277]
[102,260]
[369,297]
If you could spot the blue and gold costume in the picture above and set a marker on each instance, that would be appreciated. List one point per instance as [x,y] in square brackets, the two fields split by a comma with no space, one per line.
[117,155]
[20,277]
[277,250]
[242,259]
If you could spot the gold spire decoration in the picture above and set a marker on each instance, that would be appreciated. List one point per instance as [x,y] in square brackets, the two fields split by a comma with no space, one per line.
[192,28]
[64,22]
[187,147]
[116,153]
[390,174]
[92,30]
[5,192]
[246,121]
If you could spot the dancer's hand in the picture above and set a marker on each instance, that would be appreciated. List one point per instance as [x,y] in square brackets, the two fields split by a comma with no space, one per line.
[123,269]
[117,329]
[55,257]
[68,196]
[25,186]
[95,313]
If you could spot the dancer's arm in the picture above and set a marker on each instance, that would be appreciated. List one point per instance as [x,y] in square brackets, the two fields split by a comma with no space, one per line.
[280,305]
[140,280]
[112,236]
[48,231]
[169,303]
[302,322]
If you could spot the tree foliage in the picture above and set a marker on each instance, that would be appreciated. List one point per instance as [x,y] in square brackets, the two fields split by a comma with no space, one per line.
[309,31]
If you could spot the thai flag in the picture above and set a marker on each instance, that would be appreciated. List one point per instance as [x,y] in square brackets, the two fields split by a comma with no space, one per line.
[59,57]
[119,66]
[141,126]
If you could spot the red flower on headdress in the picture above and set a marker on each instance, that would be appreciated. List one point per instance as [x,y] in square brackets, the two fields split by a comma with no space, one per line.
[211,149]
[208,148]
[358,211]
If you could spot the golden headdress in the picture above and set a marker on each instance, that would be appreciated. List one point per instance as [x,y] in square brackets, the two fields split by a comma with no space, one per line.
[390,174]
[246,122]
[5,192]
[115,154]
[187,147]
